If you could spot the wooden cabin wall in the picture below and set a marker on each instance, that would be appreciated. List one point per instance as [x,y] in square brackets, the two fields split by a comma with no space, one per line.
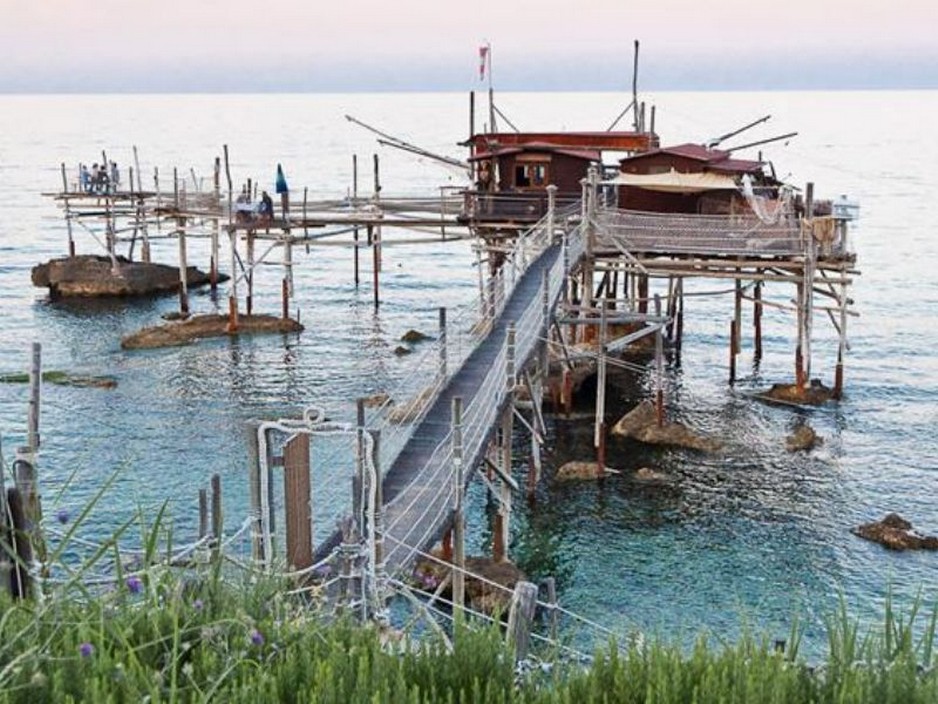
[662,163]
[632,198]
[565,171]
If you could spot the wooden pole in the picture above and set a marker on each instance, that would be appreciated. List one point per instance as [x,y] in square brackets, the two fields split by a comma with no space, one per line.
[183,264]
[376,234]
[635,119]
[374,266]
[521,617]
[216,191]
[732,352]
[680,321]
[599,426]
[659,368]
[249,298]
[21,583]
[233,236]
[35,397]
[841,345]
[738,313]
[254,487]
[354,205]
[218,521]
[203,513]
[459,518]
[442,316]
[68,214]
[297,495]
[808,286]
[757,320]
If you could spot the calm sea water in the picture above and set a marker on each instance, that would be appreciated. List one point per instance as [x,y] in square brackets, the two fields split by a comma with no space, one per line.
[752,534]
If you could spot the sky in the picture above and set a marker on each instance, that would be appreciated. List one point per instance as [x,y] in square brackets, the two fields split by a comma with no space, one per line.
[365,45]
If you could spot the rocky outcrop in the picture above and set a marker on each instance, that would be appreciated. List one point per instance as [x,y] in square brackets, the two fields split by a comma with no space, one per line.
[94,277]
[481,596]
[647,475]
[202,326]
[414,336]
[814,395]
[896,533]
[579,471]
[804,438]
[641,423]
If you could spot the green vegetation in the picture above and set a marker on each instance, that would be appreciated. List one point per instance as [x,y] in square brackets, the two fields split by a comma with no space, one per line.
[189,635]
[167,639]
[62,379]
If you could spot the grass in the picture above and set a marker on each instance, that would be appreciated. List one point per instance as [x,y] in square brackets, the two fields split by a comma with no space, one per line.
[165,634]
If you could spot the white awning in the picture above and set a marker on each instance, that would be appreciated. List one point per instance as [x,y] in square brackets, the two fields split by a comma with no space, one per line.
[675,182]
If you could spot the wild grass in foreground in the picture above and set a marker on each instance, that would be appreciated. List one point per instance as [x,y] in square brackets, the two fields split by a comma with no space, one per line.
[167,639]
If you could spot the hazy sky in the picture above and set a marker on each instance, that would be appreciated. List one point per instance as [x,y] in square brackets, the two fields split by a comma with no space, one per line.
[166,45]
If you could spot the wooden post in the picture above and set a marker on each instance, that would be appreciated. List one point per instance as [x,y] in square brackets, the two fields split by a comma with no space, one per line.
[355,205]
[254,486]
[359,461]
[520,618]
[376,234]
[459,518]
[680,321]
[21,582]
[550,586]
[213,266]
[218,521]
[183,265]
[659,368]
[732,352]
[203,513]
[599,426]
[503,514]
[443,342]
[808,286]
[35,396]
[249,298]
[738,312]
[297,497]
[233,236]
[68,214]
[757,320]
[841,345]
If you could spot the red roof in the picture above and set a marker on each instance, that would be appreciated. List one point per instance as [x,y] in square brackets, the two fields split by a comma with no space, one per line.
[713,159]
[584,154]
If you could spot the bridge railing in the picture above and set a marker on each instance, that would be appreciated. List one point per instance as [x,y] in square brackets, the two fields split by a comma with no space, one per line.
[422,507]
[696,234]
[466,327]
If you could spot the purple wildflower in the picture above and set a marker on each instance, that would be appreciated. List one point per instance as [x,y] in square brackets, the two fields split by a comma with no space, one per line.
[86,650]
[257,638]
[62,515]
[197,605]
[134,585]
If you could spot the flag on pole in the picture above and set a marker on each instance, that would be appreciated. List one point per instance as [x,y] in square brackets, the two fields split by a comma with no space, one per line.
[483,55]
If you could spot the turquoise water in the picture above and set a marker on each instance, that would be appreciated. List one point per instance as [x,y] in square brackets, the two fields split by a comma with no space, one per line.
[749,534]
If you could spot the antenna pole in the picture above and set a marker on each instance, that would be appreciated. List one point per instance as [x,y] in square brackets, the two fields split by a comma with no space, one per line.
[635,115]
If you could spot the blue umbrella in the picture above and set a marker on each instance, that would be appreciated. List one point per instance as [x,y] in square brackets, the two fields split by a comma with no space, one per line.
[281,180]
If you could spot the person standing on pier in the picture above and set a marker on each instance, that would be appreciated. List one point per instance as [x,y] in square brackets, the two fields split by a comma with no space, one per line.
[84,179]
[115,177]
[266,209]
[284,191]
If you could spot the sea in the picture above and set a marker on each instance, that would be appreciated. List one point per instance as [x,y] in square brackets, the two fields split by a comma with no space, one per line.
[750,538]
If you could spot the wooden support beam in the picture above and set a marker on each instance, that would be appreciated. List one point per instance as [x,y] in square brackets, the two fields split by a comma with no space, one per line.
[521,618]
[298,502]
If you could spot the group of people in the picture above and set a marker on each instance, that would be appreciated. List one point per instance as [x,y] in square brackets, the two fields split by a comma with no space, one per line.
[246,211]
[99,179]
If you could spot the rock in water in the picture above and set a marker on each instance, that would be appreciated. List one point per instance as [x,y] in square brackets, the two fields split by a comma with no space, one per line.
[804,438]
[652,476]
[576,471]
[93,276]
[201,326]
[896,533]
[814,395]
[414,336]
[641,423]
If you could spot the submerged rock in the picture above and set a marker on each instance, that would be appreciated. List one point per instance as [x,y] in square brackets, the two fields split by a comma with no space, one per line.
[202,326]
[93,276]
[804,438]
[63,379]
[896,533]
[652,476]
[578,471]
[376,400]
[414,336]
[400,350]
[641,423]
[814,395]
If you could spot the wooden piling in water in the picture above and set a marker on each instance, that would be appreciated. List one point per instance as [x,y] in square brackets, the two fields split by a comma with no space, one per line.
[298,504]
[20,579]
[203,513]
[659,368]
[218,521]
[183,263]
[757,320]
[68,214]
[233,237]
[732,352]
[213,264]
[254,488]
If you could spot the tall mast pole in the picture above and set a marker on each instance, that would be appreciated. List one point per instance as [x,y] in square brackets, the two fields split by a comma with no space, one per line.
[635,116]
[488,57]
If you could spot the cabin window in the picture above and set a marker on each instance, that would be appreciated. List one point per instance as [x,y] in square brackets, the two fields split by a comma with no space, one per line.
[531,175]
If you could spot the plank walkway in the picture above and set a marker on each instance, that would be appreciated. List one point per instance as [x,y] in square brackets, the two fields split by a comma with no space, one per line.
[417,494]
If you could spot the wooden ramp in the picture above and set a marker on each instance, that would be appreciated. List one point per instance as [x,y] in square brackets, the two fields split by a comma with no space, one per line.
[419,486]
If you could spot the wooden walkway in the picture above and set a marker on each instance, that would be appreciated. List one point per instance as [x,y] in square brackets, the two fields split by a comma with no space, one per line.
[418,490]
